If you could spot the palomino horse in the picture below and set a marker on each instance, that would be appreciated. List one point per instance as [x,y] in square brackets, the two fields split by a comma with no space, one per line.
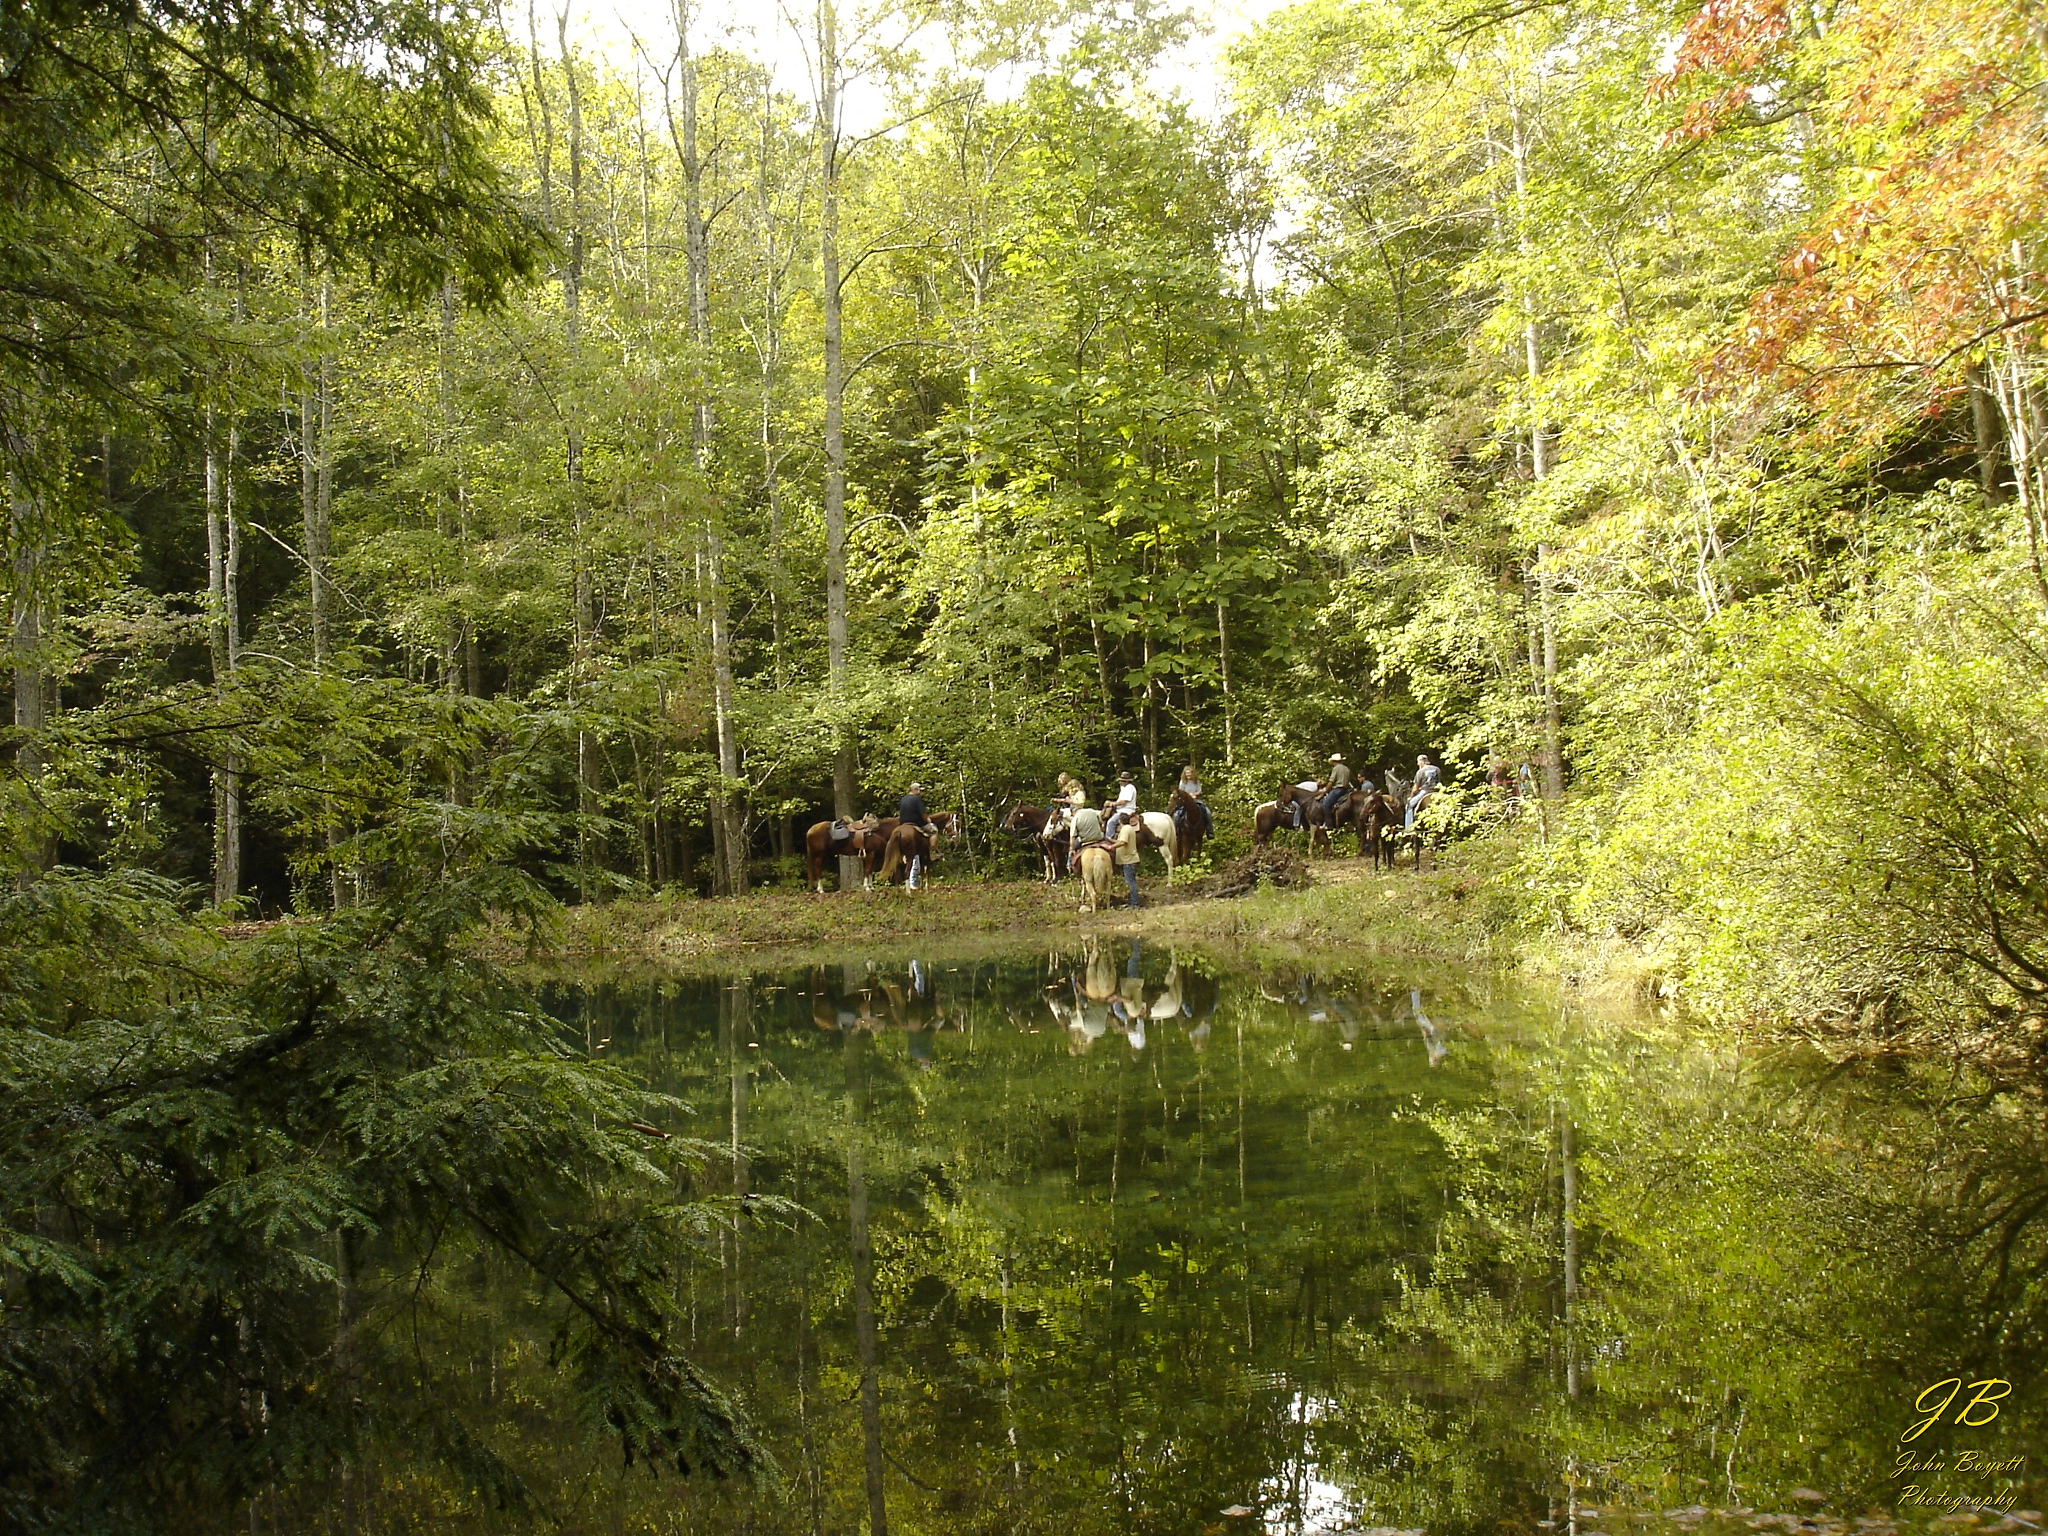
[1027,824]
[1097,876]
[1191,818]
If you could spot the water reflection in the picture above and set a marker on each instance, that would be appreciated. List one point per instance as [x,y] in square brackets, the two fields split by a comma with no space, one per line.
[1114,1239]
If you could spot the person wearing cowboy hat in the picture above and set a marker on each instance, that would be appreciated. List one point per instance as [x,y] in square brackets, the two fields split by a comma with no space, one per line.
[1126,795]
[1337,786]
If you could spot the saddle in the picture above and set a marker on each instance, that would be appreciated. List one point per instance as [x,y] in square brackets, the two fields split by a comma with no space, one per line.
[845,831]
[1107,844]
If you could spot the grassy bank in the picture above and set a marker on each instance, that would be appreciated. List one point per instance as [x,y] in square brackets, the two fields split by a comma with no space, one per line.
[1451,911]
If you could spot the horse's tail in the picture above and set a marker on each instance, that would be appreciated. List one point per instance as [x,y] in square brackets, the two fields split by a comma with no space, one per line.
[892,861]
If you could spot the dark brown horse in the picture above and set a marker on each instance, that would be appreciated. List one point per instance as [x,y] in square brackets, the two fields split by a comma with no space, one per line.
[1379,829]
[1027,823]
[1191,824]
[1277,814]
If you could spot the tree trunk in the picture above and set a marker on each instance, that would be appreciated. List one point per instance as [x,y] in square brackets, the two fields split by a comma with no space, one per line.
[223,554]
[864,1283]
[31,670]
[2025,451]
[1984,420]
[726,805]
[770,353]
[316,498]
[1223,622]
[1553,757]
[572,334]
[844,762]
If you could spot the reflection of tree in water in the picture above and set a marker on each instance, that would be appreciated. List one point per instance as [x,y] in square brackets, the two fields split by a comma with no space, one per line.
[1053,1286]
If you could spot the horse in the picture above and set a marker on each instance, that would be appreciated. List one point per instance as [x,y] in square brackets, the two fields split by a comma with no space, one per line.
[1157,830]
[1277,814]
[1028,823]
[1098,874]
[1193,822]
[900,844]
[820,844]
[1379,829]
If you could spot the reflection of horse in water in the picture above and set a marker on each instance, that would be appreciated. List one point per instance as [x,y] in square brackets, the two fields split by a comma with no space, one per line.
[1095,998]
[908,1004]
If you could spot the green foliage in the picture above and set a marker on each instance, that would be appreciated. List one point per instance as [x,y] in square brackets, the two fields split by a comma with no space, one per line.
[236,1185]
[1850,831]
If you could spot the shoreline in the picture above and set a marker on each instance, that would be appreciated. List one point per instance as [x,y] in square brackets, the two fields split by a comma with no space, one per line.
[1440,914]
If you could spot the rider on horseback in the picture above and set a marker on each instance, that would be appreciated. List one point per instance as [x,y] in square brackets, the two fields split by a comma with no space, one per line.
[1427,777]
[1339,785]
[1190,786]
[1126,796]
[910,812]
[1084,827]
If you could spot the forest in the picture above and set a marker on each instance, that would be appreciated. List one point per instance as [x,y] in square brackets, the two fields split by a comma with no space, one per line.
[455,471]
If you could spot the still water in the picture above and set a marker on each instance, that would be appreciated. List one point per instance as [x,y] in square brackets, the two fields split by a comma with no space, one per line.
[1121,1240]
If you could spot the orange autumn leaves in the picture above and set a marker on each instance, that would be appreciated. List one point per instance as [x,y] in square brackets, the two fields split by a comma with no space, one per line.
[1931,119]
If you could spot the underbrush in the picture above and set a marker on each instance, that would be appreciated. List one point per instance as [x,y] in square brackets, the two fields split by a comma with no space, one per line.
[1853,837]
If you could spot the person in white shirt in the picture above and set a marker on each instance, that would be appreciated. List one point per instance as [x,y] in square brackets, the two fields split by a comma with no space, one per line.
[1126,795]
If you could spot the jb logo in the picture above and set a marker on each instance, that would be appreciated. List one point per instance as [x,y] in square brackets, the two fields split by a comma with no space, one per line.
[1980,1409]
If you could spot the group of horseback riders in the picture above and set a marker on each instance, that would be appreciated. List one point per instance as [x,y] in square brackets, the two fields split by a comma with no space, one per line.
[1328,793]
[1072,823]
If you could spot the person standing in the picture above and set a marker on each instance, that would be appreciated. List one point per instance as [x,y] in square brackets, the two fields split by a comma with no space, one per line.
[910,812]
[1126,856]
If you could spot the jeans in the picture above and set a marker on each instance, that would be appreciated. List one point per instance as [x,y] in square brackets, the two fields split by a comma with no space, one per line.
[1414,806]
[1337,793]
[1131,881]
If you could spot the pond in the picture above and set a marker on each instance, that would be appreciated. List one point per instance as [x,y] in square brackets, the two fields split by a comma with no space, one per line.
[1125,1240]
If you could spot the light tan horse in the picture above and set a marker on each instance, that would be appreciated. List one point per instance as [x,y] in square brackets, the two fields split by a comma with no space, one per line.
[1098,875]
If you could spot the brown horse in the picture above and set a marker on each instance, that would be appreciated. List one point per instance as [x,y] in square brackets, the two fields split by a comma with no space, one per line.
[1277,814]
[1027,823]
[1191,824]
[869,842]
[1379,829]
[900,844]
[820,845]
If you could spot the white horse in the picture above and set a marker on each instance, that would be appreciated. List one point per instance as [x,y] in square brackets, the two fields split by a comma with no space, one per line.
[1161,826]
